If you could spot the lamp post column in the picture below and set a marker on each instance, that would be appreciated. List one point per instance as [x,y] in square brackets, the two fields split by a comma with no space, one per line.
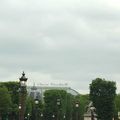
[36,109]
[22,96]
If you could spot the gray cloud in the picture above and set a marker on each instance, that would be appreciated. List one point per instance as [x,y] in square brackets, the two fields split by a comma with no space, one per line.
[60,41]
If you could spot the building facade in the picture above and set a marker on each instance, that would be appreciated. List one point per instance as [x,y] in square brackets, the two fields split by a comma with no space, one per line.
[38,91]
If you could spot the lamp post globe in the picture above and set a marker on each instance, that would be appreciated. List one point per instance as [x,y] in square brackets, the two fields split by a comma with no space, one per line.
[36,101]
[53,116]
[58,102]
[19,107]
[41,114]
[23,80]
[77,105]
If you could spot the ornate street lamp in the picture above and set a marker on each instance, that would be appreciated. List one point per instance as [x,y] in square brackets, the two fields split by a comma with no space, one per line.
[36,108]
[22,96]
[28,116]
[77,106]
[58,111]
[58,102]
[64,117]
[41,115]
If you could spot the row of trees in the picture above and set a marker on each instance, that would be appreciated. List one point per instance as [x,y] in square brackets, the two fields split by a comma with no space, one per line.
[102,93]
[9,104]
[67,108]
[64,110]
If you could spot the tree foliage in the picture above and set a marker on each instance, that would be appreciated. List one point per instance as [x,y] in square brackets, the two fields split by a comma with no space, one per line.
[51,107]
[117,102]
[102,93]
[117,105]
[13,90]
[69,106]
[5,101]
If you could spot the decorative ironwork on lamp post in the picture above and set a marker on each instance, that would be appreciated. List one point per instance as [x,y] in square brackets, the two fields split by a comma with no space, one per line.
[22,96]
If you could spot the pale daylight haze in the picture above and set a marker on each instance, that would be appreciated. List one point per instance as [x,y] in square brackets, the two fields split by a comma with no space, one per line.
[60,41]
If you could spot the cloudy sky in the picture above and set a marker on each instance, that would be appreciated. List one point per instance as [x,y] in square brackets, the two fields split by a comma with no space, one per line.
[60,41]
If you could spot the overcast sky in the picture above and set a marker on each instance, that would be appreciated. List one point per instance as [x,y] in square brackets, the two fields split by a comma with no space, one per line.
[60,41]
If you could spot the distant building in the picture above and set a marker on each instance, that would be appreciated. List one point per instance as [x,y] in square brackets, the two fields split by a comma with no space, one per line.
[38,91]
[34,92]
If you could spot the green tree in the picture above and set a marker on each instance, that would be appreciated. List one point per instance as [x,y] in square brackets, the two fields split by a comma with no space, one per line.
[5,102]
[13,88]
[69,106]
[117,102]
[51,107]
[103,93]
[13,91]
[117,105]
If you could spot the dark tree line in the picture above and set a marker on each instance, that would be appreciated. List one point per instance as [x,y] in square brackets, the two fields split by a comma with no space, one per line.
[9,103]
[102,93]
